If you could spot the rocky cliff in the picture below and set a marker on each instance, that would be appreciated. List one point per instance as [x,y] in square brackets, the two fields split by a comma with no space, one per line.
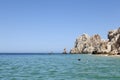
[95,45]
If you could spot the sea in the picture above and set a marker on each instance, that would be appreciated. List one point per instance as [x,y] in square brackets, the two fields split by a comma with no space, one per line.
[59,67]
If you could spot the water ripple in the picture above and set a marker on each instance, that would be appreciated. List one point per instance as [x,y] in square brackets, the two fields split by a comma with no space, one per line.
[59,67]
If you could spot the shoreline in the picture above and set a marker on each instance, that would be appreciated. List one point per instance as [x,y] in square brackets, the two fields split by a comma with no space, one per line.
[107,55]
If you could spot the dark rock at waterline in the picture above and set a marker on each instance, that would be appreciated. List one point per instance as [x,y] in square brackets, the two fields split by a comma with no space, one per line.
[65,51]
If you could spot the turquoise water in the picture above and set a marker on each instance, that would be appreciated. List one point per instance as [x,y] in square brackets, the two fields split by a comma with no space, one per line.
[59,67]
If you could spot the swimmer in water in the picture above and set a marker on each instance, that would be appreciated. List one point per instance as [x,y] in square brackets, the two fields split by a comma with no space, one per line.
[79,59]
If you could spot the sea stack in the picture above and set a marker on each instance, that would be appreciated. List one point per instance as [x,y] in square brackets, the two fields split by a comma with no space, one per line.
[65,51]
[86,44]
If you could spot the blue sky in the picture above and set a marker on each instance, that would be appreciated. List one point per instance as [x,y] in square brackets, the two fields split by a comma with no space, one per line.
[51,25]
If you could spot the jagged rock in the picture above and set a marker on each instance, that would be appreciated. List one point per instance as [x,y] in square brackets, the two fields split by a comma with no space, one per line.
[86,44]
[81,43]
[114,39]
[95,45]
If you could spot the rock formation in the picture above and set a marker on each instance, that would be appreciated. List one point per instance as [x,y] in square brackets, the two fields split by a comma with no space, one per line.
[65,51]
[96,45]
[86,44]
[114,40]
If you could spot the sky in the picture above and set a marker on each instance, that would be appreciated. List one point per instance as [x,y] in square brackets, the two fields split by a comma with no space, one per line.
[37,26]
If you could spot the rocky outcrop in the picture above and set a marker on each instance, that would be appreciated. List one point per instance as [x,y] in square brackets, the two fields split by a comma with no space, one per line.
[65,51]
[86,44]
[114,40]
[96,45]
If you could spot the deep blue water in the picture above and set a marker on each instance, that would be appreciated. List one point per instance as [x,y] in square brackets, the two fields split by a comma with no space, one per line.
[59,67]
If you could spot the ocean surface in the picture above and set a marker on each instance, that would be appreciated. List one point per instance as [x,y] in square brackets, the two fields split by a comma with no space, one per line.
[59,67]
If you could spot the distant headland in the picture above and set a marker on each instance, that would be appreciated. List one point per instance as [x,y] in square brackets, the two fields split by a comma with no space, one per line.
[86,44]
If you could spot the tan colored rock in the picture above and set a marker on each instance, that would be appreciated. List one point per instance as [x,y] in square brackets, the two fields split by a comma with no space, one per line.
[74,51]
[86,44]
[94,44]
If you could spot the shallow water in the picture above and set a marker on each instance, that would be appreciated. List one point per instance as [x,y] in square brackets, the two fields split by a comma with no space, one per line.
[59,67]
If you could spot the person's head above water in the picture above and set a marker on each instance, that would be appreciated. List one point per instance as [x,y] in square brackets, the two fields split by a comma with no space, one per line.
[79,59]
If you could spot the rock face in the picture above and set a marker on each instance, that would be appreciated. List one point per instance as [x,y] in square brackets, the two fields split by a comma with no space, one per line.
[86,44]
[95,45]
[114,40]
